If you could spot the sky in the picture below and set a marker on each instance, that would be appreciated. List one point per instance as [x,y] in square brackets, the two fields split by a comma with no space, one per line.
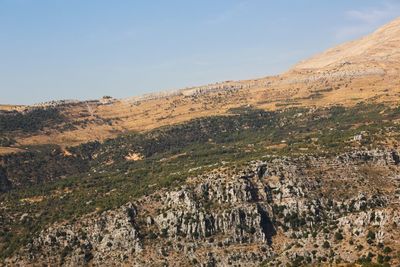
[85,49]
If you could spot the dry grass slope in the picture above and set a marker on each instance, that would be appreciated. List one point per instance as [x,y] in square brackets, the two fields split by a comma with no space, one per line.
[362,70]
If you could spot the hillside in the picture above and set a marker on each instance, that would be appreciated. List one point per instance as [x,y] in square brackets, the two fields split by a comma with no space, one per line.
[378,48]
[297,169]
[362,70]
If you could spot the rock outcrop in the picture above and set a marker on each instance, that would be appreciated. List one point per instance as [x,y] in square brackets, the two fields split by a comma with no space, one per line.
[273,212]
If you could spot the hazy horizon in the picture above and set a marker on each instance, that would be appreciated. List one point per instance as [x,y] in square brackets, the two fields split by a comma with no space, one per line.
[52,50]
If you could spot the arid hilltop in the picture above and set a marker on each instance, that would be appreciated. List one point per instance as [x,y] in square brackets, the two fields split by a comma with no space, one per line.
[378,48]
[362,70]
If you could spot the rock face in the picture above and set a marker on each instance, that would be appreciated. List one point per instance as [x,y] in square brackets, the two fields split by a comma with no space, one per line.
[272,212]
[112,234]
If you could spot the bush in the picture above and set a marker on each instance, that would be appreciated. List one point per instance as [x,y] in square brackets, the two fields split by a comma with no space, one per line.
[338,236]
[164,233]
[380,259]
[326,245]
[371,235]
[151,235]
[387,250]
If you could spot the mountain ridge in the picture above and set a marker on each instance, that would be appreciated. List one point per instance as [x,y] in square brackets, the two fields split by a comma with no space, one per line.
[373,47]
[387,37]
[297,169]
[364,70]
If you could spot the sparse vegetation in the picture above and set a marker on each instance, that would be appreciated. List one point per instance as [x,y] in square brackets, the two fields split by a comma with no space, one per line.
[99,174]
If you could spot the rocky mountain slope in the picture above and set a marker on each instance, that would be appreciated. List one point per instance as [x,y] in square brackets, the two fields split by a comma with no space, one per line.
[276,212]
[379,48]
[293,170]
[362,70]
[297,187]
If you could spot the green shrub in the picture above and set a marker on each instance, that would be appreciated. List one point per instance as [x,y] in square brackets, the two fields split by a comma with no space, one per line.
[326,245]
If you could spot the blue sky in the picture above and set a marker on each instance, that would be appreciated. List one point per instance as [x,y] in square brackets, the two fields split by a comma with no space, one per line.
[84,49]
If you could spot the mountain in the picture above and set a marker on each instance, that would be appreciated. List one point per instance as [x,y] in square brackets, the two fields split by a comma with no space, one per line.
[377,49]
[296,169]
[362,70]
